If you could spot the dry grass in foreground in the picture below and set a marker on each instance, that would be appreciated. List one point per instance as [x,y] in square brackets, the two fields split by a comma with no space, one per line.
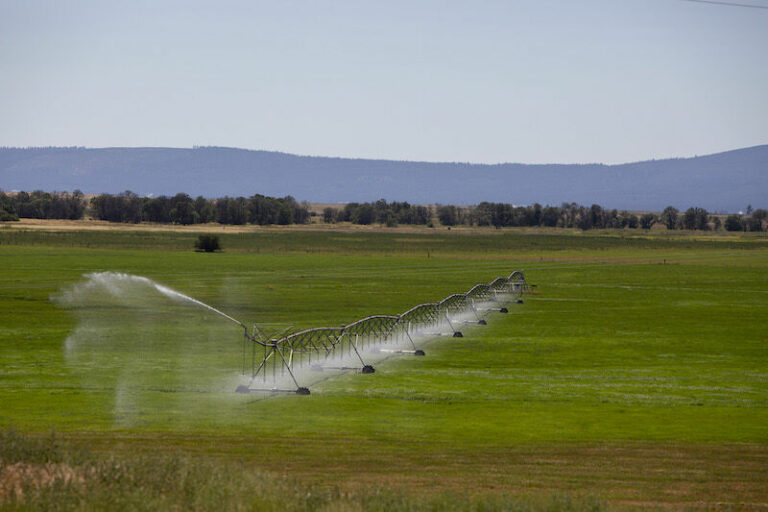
[43,474]
[621,474]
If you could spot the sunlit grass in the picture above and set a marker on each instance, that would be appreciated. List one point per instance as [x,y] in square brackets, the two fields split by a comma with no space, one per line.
[642,340]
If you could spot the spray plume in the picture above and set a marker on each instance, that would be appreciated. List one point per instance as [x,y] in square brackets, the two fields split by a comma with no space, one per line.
[149,346]
[116,283]
[180,296]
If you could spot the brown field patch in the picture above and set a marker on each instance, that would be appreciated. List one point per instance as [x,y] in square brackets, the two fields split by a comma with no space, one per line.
[641,474]
[345,227]
[14,477]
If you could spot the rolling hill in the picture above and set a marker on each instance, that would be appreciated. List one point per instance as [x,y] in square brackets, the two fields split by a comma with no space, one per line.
[727,181]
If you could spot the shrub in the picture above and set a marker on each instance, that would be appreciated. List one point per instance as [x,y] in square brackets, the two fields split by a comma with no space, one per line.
[208,243]
[670,217]
[647,221]
[447,215]
[7,216]
[696,218]
[329,215]
[753,224]
[18,447]
[733,223]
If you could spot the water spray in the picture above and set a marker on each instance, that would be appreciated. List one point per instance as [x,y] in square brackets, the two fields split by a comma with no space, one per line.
[275,359]
[177,295]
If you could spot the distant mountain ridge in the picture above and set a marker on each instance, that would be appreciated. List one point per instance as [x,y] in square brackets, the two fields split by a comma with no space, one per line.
[727,181]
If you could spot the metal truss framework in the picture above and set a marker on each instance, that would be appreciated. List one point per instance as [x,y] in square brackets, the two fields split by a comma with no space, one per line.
[330,348]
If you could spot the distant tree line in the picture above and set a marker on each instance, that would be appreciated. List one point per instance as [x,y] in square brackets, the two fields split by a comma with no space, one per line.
[42,205]
[755,220]
[564,216]
[265,210]
[699,218]
[182,209]
[567,215]
[380,212]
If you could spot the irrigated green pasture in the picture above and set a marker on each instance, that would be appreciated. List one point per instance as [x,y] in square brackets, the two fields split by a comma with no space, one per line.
[637,371]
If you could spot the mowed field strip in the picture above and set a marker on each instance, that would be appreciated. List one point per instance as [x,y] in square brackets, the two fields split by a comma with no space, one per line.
[636,371]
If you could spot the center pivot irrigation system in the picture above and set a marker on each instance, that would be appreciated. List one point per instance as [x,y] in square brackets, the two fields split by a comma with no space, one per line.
[275,360]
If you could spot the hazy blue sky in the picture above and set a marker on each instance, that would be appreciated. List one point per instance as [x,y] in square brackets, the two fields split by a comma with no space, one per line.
[482,81]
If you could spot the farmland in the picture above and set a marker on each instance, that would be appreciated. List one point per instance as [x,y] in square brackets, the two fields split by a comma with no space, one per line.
[637,371]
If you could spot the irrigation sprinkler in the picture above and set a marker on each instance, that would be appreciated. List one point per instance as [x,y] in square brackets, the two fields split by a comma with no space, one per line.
[338,348]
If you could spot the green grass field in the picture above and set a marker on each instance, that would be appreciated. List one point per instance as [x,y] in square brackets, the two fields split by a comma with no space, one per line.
[636,373]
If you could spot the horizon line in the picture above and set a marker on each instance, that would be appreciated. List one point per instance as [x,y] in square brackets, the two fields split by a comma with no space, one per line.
[436,162]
